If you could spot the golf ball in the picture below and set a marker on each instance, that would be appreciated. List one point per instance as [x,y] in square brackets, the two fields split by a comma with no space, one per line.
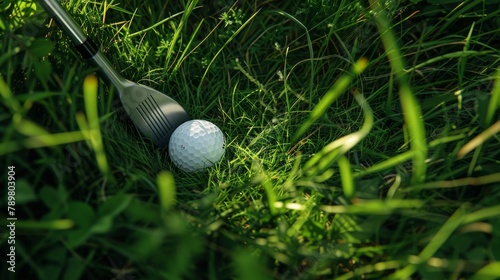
[195,145]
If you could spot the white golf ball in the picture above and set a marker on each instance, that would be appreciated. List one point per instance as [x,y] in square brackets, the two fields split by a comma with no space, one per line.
[196,145]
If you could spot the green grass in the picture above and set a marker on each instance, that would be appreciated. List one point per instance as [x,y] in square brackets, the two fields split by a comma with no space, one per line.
[362,141]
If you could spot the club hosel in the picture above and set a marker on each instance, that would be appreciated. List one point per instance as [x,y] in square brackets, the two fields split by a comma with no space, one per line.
[107,71]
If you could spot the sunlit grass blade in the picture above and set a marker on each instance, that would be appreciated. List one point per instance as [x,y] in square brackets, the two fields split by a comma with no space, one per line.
[91,129]
[462,182]
[457,11]
[39,141]
[393,161]
[303,217]
[330,96]
[380,266]
[485,213]
[166,190]
[490,271]
[62,224]
[183,56]
[263,179]
[8,99]
[411,109]
[446,139]
[494,102]
[346,176]
[179,29]
[374,207]
[29,128]
[393,189]
[479,139]
[329,154]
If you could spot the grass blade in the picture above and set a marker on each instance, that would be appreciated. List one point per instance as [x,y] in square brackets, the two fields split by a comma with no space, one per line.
[489,272]
[443,234]
[479,140]
[346,176]
[471,181]
[411,109]
[185,17]
[183,56]
[437,241]
[462,61]
[486,213]
[166,190]
[460,55]
[494,100]
[309,45]
[307,208]
[374,207]
[330,96]
[225,44]
[61,224]
[156,24]
[93,132]
[393,161]
[39,141]
[329,154]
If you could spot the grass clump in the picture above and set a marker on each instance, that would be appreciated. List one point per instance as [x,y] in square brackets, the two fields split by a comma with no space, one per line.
[362,141]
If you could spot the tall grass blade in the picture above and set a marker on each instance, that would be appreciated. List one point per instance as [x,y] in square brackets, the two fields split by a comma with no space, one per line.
[307,208]
[61,224]
[225,44]
[486,213]
[330,96]
[182,57]
[490,271]
[346,176]
[329,154]
[437,241]
[386,164]
[443,234]
[462,61]
[494,100]
[374,207]
[93,131]
[309,45]
[462,182]
[460,55]
[411,109]
[166,190]
[479,139]
[185,18]
[155,25]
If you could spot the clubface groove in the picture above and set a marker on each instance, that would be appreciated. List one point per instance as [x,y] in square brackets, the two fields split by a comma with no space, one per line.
[154,118]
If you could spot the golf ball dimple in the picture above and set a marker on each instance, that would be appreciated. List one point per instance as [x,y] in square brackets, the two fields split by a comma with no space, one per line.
[195,145]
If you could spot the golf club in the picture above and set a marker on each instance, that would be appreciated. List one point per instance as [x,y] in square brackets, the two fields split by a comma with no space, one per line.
[155,114]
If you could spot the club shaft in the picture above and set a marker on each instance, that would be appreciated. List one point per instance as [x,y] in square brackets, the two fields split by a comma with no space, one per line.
[64,20]
[83,44]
